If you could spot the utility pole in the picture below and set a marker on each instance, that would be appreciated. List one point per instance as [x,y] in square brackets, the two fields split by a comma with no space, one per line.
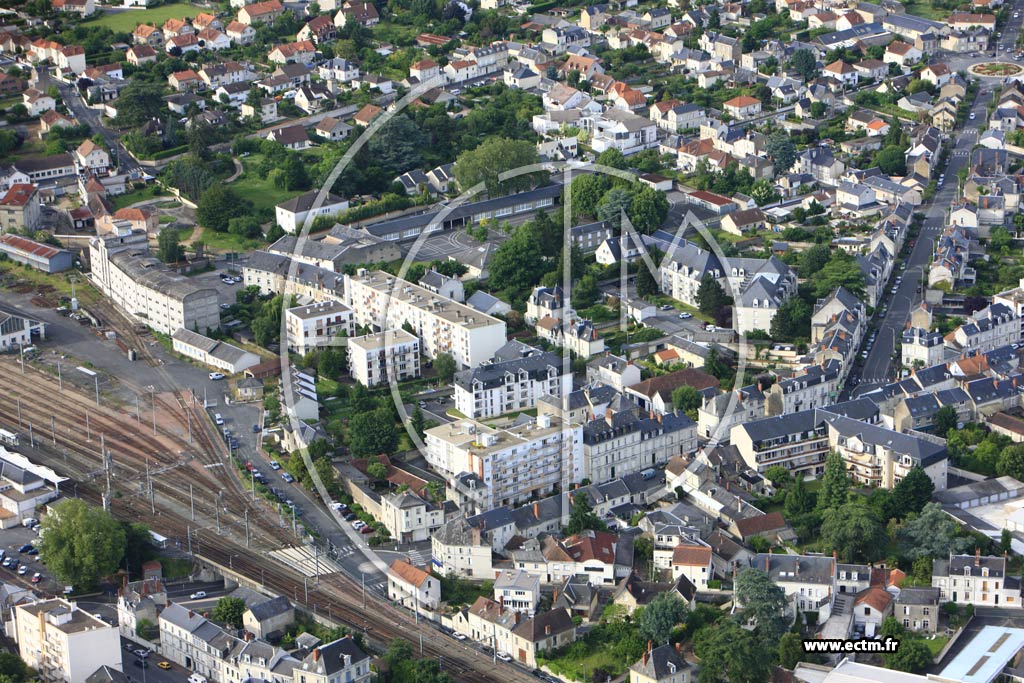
[362,582]
[216,510]
[246,528]
[53,432]
[106,470]
[21,351]
[97,380]
[31,439]
[149,482]
[316,561]
[305,590]
[152,393]
[60,380]
[88,431]
[189,533]
[19,415]
[192,502]
[189,416]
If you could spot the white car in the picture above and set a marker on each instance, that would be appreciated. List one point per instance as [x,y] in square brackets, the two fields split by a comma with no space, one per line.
[459,636]
[275,465]
[198,595]
[216,376]
[218,419]
[973,116]
[358,524]
[685,316]
[227,281]
[504,657]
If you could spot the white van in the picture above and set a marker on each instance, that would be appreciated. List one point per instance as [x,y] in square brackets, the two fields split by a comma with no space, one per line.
[197,678]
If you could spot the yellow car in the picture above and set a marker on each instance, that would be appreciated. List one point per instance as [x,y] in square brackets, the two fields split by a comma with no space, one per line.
[164,665]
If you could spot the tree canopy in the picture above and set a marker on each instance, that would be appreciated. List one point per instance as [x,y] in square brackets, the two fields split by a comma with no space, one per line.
[835,483]
[373,433]
[854,530]
[763,603]
[81,544]
[493,157]
[229,611]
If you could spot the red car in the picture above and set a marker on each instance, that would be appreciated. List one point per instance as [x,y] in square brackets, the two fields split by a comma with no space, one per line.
[248,466]
[366,529]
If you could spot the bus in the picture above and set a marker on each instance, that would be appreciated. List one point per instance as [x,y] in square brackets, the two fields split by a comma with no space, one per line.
[8,438]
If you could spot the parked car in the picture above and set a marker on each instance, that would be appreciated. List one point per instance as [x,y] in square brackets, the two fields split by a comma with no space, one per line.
[164,665]
[198,595]
[358,524]
[141,663]
[25,548]
[218,420]
[685,316]
[22,570]
[504,657]
[142,654]
[37,577]
[216,376]
[366,530]
[288,478]
[459,636]
[225,306]
[275,465]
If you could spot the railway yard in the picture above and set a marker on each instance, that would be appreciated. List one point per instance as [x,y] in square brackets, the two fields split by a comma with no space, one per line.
[144,464]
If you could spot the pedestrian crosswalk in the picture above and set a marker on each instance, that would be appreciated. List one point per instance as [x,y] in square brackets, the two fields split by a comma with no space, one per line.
[417,558]
[306,560]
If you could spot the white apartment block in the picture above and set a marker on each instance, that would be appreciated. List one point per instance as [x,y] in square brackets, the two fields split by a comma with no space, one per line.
[457,548]
[315,325]
[409,518]
[514,463]
[975,580]
[518,590]
[513,382]
[444,326]
[377,358]
[63,643]
[147,291]
[620,443]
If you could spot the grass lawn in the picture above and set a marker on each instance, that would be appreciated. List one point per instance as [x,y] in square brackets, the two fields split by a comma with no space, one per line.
[260,191]
[925,9]
[127,21]
[937,643]
[59,281]
[140,195]
[221,242]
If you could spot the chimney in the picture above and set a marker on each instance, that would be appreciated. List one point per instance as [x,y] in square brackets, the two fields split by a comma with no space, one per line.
[248,636]
[316,654]
[501,601]
[650,644]
[835,556]
[516,616]
[734,570]
[768,560]
[727,485]
[554,598]
[679,649]
[536,510]
[977,557]
[547,630]
[645,658]
[191,614]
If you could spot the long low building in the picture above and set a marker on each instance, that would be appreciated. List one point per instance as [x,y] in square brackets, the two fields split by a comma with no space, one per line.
[44,257]
[146,290]
[16,330]
[410,227]
[212,352]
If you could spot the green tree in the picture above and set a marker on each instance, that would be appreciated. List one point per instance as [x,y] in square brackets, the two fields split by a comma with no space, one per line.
[81,544]
[778,475]
[229,611]
[730,653]
[781,149]
[710,295]
[218,205]
[764,603]
[586,192]
[585,292]
[445,366]
[804,63]
[648,209]
[1011,461]
[1006,542]
[911,494]
[687,399]
[418,422]
[646,284]
[818,109]
[814,259]
[912,655]
[892,161]
[372,433]
[835,483]
[169,249]
[245,226]
[583,517]
[841,270]
[138,547]
[798,499]
[377,469]
[493,157]
[397,145]
[854,530]
[791,650]
[660,617]
[1000,239]
[615,202]
[614,158]
[266,325]
[763,192]
[792,321]
[944,420]
[931,534]
[518,263]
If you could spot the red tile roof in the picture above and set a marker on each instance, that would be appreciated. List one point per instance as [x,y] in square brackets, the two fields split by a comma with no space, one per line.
[27,246]
[19,195]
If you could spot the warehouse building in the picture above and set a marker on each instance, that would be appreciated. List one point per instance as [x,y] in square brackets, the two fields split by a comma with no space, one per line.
[40,256]
[212,352]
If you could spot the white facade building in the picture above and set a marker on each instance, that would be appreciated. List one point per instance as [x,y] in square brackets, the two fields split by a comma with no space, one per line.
[315,325]
[63,643]
[375,358]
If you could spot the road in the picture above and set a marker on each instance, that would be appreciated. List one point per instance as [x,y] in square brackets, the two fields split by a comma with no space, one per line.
[878,367]
[124,161]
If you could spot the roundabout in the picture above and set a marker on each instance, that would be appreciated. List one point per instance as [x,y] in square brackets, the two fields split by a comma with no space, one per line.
[995,69]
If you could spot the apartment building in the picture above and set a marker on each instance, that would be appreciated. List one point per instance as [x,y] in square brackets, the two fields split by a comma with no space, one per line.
[877,456]
[64,644]
[798,442]
[511,463]
[976,580]
[20,208]
[993,326]
[517,378]
[459,548]
[315,325]
[383,301]
[625,440]
[409,518]
[377,358]
[519,590]
[146,290]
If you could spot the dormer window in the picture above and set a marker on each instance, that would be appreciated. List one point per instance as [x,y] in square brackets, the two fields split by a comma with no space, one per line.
[984,571]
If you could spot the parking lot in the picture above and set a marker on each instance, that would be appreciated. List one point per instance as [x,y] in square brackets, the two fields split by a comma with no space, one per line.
[28,565]
[149,668]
